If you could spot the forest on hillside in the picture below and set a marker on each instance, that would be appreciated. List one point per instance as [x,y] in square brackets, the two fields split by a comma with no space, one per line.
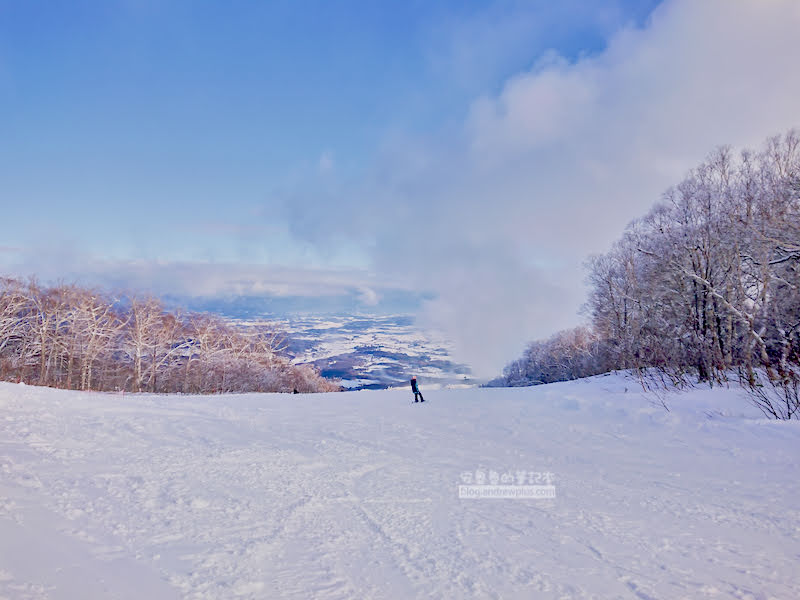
[69,337]
[706,285]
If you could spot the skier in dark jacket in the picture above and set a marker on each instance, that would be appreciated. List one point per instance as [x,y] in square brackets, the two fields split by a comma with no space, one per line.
[416,391]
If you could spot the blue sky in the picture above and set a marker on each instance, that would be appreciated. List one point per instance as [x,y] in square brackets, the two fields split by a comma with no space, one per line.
[472,153]
[139,126]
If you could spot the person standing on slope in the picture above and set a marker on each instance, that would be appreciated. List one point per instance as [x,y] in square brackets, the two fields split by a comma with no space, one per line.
[415,389]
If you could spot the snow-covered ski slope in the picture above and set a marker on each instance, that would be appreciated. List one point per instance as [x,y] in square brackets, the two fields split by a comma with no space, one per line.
[355,495]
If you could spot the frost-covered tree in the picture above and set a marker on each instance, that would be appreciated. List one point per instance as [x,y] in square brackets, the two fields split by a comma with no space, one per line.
[708,281]
[707,284]
[66,336]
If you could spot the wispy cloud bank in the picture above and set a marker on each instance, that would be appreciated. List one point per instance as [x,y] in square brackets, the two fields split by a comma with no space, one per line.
[204,279]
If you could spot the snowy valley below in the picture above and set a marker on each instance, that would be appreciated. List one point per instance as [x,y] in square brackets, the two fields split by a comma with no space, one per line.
[356,495]
[371,351]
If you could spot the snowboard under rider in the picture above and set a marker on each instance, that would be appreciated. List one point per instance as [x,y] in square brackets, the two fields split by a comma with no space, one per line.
[415,389]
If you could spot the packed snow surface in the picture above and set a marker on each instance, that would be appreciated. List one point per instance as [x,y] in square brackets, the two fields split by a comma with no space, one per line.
[355,495]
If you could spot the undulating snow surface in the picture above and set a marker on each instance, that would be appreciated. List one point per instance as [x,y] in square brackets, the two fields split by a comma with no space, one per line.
[355,495]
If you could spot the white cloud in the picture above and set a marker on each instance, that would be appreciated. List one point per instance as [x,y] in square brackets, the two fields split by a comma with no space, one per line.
[482,43]
[498,217]
[368,297]
[196,279]
[534,109]
[326,162]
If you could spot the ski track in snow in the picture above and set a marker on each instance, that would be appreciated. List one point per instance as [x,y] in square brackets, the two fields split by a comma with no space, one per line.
[354,495]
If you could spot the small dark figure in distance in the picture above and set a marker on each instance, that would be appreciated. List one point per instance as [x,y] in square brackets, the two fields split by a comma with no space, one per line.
[417,394]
